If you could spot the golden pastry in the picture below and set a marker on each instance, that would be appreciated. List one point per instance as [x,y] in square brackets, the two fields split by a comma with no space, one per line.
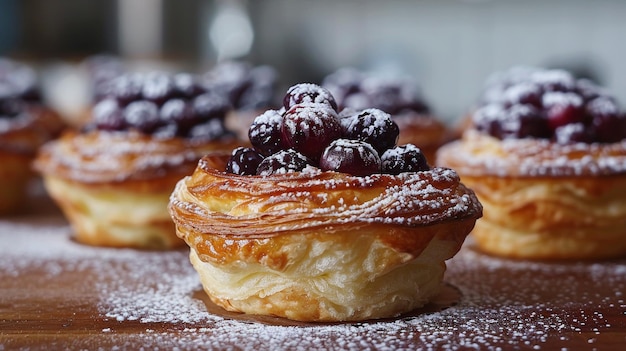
[113,179]
[312,234]
[25,124]
[547,159]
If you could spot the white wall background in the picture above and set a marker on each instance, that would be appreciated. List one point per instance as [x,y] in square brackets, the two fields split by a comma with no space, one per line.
[449,46]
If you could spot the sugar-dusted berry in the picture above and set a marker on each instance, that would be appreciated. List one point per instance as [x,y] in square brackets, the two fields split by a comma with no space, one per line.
[351,156]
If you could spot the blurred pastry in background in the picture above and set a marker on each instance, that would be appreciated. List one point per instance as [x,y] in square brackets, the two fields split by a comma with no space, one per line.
[250,89]
[114,177]
[25,124]
[399,97]
[546,155]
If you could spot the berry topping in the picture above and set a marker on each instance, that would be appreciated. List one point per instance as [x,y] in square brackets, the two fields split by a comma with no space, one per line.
[244,161]
[266,134]
[162,105]
[308,93]
[18,88]
[404,158]
[142,115]
[563,108]
[350,156]
[312,134]
[549,104]
[158,88]
[359,90]
[245,87]
[308,128]
[107,115]
[284,161]
[572,133]
[179,112]
[186,86]
[210,105]
[372,126]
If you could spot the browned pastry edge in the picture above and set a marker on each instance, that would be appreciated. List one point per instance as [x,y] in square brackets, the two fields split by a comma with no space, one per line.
[26,133]
[104,157]
[544,200]
[480,154]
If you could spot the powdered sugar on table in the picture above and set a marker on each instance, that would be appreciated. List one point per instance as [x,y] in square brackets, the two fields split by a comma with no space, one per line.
[148,299]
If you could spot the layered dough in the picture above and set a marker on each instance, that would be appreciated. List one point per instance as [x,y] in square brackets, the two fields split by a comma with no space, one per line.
[114,186]
[20,138]
[321,246]
[544,200]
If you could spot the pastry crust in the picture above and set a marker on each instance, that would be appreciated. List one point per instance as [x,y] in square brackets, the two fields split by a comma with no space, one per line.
[114,186]
[20,137]
[544,200]
[321,246]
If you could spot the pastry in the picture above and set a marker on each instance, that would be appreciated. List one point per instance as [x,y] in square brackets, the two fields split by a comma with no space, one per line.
[250,89]
[316,228]
[547,159]
[113,179]
[399,97]
[25,124]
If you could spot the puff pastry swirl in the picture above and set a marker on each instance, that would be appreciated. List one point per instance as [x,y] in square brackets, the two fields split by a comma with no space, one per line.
[114,186]
[544,200]
[321,246]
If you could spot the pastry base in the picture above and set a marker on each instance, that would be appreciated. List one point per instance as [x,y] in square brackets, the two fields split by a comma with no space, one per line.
[338,276]
[15,175]
[116,215]
[551,217]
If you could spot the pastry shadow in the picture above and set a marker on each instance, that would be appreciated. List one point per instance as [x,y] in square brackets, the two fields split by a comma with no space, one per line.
[449,296]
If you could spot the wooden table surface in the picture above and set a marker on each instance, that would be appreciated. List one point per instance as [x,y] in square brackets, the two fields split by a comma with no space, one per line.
[58,294]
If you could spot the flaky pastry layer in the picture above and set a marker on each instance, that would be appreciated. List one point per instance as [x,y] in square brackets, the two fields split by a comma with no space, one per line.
[322,246]
[480,154]
[20,138]
[114,187]
[105,157]
[560,202]
[24,134]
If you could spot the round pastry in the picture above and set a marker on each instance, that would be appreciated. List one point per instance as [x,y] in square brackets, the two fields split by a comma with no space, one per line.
[312,228]
[547,159]
[250,90]
[113,179]
[25,124]
[399,97]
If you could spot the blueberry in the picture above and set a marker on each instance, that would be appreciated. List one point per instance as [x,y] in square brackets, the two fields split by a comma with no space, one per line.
[308,93]
[372,126]
[265,132]
[309,128]
[284,161]
[350,156]
[404,158]
[244,161]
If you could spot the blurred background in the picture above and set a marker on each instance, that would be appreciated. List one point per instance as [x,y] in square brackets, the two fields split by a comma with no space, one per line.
[449,47]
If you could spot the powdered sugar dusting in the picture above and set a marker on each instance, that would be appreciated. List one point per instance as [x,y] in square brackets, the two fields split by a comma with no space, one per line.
[505,304]
[477,153]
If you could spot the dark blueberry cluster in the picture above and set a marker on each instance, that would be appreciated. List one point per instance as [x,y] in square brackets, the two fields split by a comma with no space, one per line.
[358,90]
[309,132]
[549,104]
[100,70]
[247,87]
[18,87]
[163,105]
